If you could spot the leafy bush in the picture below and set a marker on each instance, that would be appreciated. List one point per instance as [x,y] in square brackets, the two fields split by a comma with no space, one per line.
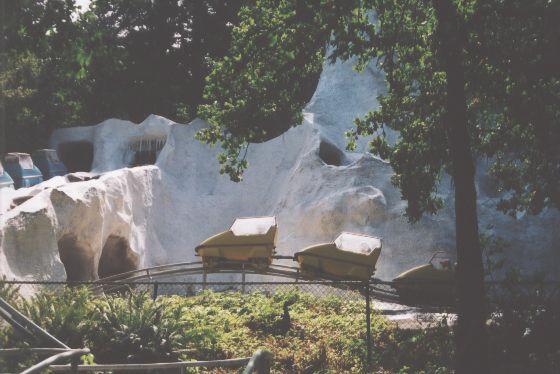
[61,313]
[425,350]
[133,329]
[307,334]
[9,292]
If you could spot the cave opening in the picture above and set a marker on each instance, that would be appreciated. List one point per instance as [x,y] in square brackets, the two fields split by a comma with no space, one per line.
[144,151]
[330,154]
[76,258]
[116,257]
[76,156]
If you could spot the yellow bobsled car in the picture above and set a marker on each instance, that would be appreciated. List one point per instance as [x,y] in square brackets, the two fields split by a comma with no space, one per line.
[432,283]
[250,240]
[349,257]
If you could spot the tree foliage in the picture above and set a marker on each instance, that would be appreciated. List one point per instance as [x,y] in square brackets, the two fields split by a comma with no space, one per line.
[513,90]
[122,58]
[515,99]
[512,97]
[402,42]
[258,90]
[38,87]
[152,56]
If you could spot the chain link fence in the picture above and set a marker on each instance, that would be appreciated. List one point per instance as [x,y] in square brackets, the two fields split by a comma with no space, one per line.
[521,315]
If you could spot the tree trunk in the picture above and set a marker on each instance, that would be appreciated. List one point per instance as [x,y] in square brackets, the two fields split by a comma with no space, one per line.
[471,340]
[3,60]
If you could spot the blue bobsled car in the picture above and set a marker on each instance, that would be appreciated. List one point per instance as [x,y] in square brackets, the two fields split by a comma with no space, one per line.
[48,162]
[22,170]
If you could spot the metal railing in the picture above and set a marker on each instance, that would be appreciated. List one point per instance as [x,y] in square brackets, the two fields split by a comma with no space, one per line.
[70,354]
[259,363]
[31,330]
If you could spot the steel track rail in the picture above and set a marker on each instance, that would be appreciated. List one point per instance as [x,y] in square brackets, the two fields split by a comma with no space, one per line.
[197,268]
[186,269]
[380,290]
[103,283]
[189,268]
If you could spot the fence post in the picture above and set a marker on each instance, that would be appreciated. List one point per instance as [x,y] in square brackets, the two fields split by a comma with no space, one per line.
[368,327]
[74,364]
[243,278]
[155,291]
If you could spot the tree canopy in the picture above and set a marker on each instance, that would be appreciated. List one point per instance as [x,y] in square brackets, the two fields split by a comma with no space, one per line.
[149,57]
[510,55]
[37,59]
[258,90]
[122,58]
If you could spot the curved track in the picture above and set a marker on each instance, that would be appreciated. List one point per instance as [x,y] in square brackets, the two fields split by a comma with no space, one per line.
[378,289]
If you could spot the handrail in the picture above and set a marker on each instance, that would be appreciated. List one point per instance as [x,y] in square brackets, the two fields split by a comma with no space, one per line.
[18,321]
[273,272]
[259,363]
[274,269]
[167,269]
[18,327]
[38,351]
[22,323]
[70,353]
[234,362]
[185,268]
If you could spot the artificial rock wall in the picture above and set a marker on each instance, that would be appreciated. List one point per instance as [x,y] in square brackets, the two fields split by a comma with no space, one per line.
[115,218]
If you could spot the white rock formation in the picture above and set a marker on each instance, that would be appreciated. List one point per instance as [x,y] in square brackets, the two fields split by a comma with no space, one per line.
[149,215]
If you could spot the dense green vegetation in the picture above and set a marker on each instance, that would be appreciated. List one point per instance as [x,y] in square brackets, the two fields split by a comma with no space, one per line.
[118,59]
[318,335]
[508,52]
[321,334]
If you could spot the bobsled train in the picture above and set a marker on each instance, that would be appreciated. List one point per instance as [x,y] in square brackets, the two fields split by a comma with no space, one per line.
[251,243]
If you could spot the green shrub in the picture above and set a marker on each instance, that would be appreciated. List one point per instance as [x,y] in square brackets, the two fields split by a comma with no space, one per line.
[9,292]
[61,313]
[132,329]
[321,335]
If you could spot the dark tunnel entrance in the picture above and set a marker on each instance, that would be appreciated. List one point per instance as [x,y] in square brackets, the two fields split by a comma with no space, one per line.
[144,158]
[144,151]
[76,156]
[116,257]
[76,258]
[330,154]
